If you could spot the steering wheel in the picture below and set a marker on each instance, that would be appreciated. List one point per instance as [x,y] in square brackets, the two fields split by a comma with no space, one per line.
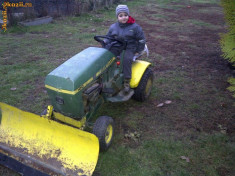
[99,38]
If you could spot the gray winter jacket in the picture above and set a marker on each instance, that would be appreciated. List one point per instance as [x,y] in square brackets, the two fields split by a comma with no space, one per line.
[131,32]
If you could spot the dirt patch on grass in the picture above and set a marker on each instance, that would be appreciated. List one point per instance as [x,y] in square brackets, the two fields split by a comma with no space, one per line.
[188,43]
[188,69]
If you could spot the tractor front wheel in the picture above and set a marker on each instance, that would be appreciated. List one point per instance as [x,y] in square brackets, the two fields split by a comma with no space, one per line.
[144,88]
[103,129]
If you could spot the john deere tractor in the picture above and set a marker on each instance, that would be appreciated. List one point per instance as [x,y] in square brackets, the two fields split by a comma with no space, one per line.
[55,143]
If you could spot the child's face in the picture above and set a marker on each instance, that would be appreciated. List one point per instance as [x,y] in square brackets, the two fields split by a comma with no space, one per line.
[123,17]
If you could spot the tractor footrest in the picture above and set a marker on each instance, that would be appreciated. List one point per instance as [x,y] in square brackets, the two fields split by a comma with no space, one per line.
[121,96]
[108,90]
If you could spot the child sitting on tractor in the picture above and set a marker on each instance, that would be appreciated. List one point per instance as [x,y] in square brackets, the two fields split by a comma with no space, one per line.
[127,30]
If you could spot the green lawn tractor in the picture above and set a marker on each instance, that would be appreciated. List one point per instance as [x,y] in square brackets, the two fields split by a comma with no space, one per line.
[55,143]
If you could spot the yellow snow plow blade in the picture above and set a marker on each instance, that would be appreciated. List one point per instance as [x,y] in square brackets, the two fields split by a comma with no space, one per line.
[45,145]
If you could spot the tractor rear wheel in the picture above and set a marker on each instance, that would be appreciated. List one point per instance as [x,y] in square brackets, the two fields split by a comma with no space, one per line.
[103,129]
[144,88]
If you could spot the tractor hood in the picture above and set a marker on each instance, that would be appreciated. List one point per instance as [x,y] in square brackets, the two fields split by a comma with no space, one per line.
[80,70]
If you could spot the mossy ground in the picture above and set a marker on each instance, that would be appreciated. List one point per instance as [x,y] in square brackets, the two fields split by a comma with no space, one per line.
[194,135]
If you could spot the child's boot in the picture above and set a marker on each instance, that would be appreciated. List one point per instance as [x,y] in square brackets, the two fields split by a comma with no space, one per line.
[126,93]
[126,85]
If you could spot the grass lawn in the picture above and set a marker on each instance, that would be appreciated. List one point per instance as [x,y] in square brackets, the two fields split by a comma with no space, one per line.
[192,136]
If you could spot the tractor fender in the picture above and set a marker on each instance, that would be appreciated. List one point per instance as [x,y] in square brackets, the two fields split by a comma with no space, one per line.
[138,69]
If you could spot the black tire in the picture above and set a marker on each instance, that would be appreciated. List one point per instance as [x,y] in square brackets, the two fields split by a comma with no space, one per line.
[144,88]
[104,129]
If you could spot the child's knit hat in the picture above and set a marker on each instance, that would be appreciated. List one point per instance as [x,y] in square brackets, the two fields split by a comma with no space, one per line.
[122,8]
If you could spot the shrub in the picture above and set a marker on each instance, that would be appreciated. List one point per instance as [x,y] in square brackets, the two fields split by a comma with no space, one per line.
[228,39]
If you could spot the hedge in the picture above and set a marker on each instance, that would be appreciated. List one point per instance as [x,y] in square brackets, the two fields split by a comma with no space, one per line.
[228,39]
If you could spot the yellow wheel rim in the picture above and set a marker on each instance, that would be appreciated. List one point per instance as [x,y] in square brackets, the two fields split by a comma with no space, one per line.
[148,87]
[109,134]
